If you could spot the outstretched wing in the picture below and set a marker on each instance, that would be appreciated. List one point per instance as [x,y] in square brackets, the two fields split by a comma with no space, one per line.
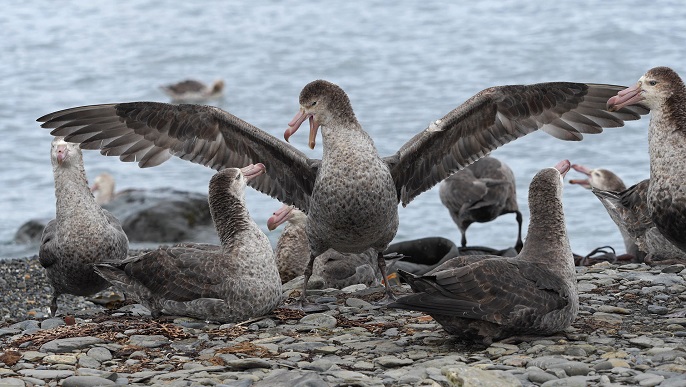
[150,133]
[496,116]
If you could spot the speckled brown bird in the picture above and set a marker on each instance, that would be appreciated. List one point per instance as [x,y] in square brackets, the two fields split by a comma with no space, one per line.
[491,298]
[629,210]
[81,234]
[232,282]
[351,196]
[336,270]
[604,180]
[662,90]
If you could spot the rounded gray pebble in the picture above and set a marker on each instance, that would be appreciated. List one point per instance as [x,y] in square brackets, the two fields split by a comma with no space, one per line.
[86,381]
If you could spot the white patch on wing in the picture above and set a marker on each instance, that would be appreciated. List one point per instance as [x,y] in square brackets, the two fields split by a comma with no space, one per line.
[435,126]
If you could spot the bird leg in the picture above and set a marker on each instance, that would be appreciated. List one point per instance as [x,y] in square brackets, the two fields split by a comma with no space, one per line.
[464,239]
[381,262]
[308,274]
[519,244]
[53,305]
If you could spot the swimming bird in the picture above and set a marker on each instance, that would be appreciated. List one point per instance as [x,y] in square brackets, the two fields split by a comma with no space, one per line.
[192,91]
[351,196]
[491,297]
[664,93]
[336,270]
[81,234]
[232,282]
[480,193]
[601,179]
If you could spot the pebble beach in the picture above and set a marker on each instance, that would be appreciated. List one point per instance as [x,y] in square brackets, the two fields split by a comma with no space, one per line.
[630,331]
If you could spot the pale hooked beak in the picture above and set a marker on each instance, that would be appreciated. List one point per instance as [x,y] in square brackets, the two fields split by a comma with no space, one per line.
[626,97]
[279,217]
[563,167]
[62,153]
[295,123]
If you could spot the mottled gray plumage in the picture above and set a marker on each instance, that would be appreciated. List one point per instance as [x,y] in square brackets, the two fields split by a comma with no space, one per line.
[351,195]
[81,234]
[336,270]
[629,210]
[495,297]
[605,180]
[192,91]
[598,178]
[232,282]
[662,90]
[480,193]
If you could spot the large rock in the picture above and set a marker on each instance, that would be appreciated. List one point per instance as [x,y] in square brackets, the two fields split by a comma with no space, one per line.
[162,215]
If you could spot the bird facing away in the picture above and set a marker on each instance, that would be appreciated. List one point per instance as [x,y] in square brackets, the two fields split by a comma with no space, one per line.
[480,193]
[351,195]
[81,234]
[492,297]
[605,180]
[336,270]
[192,91]
[664,93]
[232,282]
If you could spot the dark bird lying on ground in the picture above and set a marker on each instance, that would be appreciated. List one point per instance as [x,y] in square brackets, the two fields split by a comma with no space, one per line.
[492,297]
[232,282]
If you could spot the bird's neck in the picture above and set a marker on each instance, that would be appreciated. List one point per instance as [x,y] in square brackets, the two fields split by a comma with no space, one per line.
[547,235]
[229,214]
[348,141]
[73,194]
[667,146]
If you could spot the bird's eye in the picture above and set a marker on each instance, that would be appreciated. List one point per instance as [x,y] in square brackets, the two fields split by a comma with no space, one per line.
[238,177]
[313,103]
[652,83]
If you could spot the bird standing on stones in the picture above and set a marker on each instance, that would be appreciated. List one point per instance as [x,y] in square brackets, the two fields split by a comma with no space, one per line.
[492,297]
[337,270]
[81,234]
[229,283]
[480,193]
[351,195]
[192,91]
[664,93]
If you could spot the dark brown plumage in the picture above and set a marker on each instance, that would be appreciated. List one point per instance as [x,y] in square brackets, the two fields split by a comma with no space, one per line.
[81,234]
[629,210]
[480,193]
[232,282]
[336,270]
[490,297]
[602,180]
[350,196]
[662,90]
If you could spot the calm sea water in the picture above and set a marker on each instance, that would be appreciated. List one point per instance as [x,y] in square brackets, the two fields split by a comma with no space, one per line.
[403,63]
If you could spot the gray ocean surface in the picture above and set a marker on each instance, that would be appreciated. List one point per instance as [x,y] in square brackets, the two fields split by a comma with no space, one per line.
[403,64]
